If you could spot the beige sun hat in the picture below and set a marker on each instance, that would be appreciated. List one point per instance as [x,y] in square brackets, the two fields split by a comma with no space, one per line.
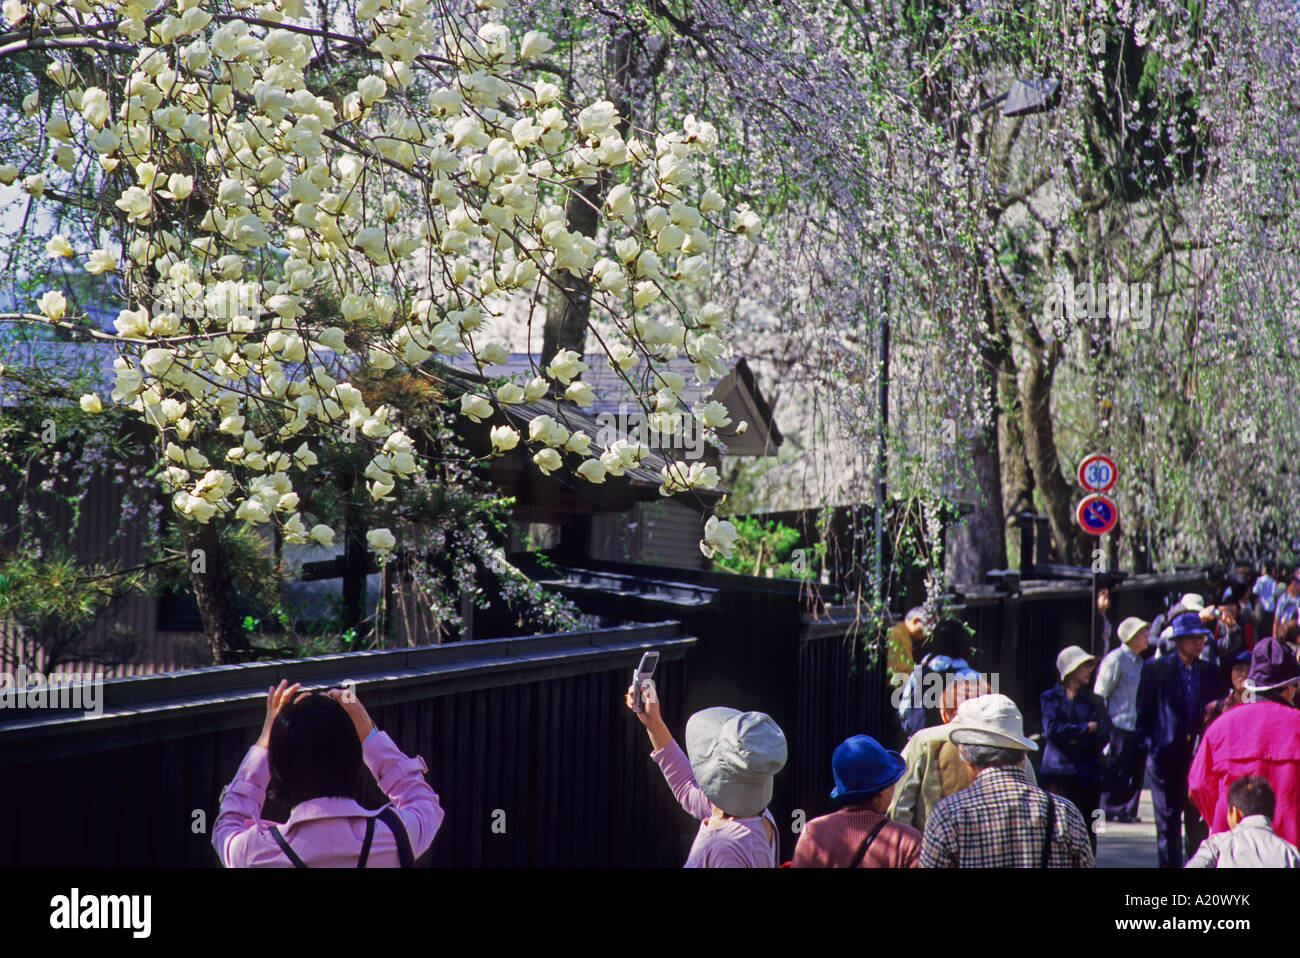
[1071,657]
[735,756]
[1131,627]
[990,720]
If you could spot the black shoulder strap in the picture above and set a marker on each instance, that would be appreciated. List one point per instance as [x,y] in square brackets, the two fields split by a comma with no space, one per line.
[1051,830]
[866,843]
[387,816]
[404,853]
[365,844]
[284,847]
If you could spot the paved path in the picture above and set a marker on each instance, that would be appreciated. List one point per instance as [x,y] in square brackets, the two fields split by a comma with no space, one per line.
[1130,846]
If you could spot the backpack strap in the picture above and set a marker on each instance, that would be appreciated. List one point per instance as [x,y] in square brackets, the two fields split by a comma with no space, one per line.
[365,844]
[284,847]
[404,853]
[861,853]
[387,816]
[1051,830]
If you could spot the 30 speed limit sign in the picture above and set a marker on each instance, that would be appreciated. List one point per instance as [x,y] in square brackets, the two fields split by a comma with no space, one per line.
[1096,473]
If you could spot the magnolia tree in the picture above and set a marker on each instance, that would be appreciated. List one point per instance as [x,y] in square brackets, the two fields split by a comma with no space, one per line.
[399,159]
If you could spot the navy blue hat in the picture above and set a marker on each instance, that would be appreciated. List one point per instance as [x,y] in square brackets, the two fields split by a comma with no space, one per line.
[862,767]
[1272,666]
[1187,623]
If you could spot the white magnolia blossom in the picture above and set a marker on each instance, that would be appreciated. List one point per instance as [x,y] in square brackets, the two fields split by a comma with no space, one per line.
[719,538]
[381,540]
[593,470]
[714,415]
[53,304]
[504,438]
[424,200]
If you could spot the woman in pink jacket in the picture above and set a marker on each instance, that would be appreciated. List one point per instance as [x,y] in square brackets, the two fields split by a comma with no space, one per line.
[1259,737]
[723,779]
[312,752]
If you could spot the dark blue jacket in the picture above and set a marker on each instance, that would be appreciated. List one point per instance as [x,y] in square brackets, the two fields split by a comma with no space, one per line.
[1071,749]
[1163,723]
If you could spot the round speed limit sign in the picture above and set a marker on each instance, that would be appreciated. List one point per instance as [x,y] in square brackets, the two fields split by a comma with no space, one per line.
[1096,473]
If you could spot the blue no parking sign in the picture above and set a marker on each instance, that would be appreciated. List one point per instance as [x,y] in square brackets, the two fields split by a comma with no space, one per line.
[1096,514]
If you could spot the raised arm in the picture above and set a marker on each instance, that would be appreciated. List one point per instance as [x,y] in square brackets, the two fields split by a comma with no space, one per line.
[399,776]
[670,758]
[240,814]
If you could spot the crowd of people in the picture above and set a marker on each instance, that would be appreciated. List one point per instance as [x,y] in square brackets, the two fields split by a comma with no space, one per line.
[1198,705]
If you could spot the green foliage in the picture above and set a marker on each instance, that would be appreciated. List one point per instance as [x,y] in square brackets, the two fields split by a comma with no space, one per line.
[1163,141]
[55,599]
[771,548]
[246,557]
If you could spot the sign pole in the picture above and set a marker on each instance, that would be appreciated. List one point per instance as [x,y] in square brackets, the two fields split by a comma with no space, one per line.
[1097,515]
[1092,634]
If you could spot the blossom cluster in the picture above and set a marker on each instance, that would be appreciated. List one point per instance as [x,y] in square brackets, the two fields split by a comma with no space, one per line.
[422,197]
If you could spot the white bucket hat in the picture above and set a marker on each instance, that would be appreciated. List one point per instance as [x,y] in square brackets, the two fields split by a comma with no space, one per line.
[734,756]
[1191,602]
[1070,658]
[990,720]
[1131,627]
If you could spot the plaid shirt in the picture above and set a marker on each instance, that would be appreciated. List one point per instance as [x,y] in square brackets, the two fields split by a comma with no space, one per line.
[999,821]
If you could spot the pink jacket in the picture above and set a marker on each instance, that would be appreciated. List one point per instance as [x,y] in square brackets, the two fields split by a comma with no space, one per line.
[1255,738]
[326,832]
[728,843]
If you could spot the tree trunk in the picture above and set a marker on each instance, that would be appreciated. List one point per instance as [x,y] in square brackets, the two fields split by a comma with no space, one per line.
[356,561]
[214,589]
[979,544]
[1017,477]
[568,303]
[1040,450]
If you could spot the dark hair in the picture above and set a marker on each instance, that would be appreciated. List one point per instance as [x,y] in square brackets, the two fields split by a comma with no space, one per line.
[1290,632]
[1252,796]
[314,751]
[950,638]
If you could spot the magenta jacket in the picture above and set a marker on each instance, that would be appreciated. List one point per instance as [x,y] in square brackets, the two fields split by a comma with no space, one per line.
[326,832]
[1254,738]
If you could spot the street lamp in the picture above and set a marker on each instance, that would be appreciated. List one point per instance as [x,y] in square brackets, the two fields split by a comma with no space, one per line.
[1024,97]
